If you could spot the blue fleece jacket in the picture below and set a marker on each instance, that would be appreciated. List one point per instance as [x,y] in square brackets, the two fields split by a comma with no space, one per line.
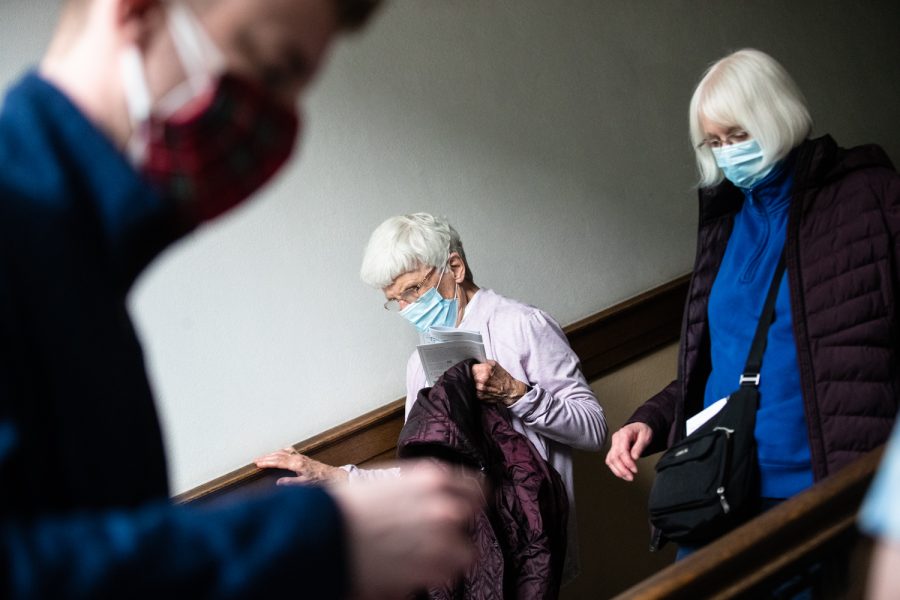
[735,305]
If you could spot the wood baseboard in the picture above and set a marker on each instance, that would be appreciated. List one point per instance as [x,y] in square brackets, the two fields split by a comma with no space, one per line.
[604,342]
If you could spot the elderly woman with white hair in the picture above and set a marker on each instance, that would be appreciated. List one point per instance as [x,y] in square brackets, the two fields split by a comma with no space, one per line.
[829,379]
[418,262]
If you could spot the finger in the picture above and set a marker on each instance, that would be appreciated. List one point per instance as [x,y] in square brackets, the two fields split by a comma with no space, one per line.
[270,455]
[486,399]
[487,393]
[277,462]
[481,379]
[622,473]
[620,451]
[643,440]
[482,370]
[622,447]
[499,371]
[618,469]
[281,453]
[625,460]
[613,467]
[289,481]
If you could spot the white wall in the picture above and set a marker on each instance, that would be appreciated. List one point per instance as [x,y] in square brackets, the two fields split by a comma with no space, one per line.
[553,134]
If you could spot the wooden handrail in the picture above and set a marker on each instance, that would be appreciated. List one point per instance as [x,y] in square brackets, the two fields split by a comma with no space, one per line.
[756,553]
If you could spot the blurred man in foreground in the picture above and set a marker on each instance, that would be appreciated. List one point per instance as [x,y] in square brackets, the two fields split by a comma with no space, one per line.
[145,119]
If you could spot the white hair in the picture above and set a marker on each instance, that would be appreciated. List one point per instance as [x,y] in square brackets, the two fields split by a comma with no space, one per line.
[751,90]
[408,242]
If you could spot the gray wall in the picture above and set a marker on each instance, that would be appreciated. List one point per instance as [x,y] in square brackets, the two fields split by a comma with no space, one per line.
[553,134]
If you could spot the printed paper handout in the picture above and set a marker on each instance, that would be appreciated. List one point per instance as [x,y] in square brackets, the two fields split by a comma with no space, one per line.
[443,347]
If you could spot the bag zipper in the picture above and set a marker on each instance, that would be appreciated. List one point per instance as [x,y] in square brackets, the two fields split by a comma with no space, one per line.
[726,508]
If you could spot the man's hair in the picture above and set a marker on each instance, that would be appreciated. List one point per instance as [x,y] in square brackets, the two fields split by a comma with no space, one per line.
[751,90]
[405,243]
[352,14]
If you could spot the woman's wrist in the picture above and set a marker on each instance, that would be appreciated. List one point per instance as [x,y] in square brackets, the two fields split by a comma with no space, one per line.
[519,390]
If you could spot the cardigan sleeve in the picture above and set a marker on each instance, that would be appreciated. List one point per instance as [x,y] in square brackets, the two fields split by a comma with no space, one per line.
[560,405]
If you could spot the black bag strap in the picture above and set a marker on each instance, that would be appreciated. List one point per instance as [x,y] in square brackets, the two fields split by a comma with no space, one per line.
[752,367]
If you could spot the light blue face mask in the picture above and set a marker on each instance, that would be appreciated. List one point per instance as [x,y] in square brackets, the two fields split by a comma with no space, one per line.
[743,164]
[432,309]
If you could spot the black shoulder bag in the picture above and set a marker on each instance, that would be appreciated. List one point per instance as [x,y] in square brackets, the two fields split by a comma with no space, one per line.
[707,483]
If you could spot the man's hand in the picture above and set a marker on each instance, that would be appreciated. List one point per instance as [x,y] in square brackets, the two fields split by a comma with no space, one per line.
[494,384]
[409,533]
[307,469]
[627,446]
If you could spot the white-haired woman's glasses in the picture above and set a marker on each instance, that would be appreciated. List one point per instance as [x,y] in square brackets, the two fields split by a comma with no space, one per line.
[409,295]
[735,136]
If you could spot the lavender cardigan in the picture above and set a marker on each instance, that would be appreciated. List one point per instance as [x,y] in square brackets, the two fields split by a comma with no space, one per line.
[559,413]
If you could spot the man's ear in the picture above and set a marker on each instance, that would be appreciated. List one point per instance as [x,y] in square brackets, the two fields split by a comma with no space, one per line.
[457,267]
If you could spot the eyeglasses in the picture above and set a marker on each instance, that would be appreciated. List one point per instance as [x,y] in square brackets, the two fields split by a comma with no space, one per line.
[735,136]
[409,295]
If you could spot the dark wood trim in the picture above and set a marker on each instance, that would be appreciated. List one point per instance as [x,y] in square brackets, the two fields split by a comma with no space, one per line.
[740,564]
[630,329]
[603,342]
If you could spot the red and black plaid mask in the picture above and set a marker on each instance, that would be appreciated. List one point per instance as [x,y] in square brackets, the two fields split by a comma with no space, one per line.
[213,140]
[215,152]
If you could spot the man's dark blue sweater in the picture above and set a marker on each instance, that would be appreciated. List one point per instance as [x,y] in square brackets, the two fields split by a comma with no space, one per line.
[84,508]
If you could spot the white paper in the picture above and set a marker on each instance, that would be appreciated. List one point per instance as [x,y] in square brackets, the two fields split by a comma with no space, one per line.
[705,415]
[443,347]
[439,334]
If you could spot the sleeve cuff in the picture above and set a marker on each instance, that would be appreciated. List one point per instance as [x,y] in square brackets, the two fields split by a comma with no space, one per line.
[525,406]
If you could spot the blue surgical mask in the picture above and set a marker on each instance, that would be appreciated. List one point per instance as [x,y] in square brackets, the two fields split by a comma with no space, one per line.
[432,309]
[743,164]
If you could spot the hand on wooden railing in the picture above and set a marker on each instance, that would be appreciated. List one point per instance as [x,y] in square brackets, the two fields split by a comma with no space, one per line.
[308,470]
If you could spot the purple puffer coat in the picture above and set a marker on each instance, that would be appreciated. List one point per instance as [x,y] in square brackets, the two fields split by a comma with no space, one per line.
[521,535]
[843,270]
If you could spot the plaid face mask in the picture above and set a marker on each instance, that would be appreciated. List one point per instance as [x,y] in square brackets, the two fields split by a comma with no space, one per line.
[212,155]
[215,139]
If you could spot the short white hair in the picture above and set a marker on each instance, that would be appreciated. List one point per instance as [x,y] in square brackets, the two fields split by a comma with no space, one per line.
[751,90]
[408,242]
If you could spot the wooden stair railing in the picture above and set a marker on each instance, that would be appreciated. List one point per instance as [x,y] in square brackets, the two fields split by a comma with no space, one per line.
[799,531]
